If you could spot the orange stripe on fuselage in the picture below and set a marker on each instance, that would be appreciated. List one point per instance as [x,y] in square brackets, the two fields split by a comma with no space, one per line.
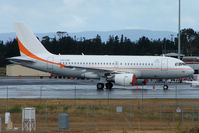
[31,55]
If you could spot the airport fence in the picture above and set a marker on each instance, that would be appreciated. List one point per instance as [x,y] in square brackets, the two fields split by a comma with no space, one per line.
[105,115]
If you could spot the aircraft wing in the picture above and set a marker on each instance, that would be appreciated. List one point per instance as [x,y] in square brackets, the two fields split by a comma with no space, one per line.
[89,69]
[95,70]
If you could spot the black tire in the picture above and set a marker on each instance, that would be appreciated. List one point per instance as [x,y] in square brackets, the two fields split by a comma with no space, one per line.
[100,86]
[165,87]
[109,86]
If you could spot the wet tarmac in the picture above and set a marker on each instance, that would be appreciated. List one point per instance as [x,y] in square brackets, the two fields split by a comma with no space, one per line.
[85,89]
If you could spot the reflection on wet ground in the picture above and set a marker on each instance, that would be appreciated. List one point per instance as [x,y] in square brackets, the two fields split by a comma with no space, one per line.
[85,89]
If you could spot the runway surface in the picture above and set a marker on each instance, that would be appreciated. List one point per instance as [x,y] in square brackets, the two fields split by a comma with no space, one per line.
[85,89]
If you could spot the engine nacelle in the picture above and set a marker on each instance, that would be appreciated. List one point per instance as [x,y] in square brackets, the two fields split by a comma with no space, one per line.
[125,79]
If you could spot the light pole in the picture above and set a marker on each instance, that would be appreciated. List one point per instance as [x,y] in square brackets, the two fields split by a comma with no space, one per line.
[179,25]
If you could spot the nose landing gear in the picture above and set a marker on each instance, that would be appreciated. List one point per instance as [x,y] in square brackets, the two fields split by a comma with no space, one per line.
[165,87]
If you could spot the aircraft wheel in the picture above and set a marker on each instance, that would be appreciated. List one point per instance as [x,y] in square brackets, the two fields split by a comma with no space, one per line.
[100,86]
[109,86]
[165,87]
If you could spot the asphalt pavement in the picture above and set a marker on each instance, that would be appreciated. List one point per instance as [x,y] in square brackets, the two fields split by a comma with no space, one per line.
[86,89]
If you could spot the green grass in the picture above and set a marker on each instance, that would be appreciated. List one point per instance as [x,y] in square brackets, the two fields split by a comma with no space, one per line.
[15,109]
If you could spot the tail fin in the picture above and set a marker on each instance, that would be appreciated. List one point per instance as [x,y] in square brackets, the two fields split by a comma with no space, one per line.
[27,41]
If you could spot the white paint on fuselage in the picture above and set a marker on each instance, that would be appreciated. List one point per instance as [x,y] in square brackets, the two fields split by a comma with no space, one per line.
[143,67]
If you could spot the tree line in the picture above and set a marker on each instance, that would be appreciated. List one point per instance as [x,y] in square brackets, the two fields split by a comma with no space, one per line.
[115,45]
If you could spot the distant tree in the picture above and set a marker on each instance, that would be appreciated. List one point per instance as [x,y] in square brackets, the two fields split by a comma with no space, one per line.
[189,41]
[116,40]
[122,39]
[12,48]
[2,48]
[144,46]
[2,53]
[62,34]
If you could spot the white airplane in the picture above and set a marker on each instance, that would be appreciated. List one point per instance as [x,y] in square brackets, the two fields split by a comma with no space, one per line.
[120,70]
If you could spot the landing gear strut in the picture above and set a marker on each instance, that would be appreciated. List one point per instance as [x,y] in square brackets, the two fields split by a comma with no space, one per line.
[100,86]
[109,85]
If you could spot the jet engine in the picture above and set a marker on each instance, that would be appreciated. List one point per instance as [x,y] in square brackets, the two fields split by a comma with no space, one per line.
[125,79]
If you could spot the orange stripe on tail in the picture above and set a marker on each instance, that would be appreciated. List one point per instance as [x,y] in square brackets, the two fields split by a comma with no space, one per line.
[31,55]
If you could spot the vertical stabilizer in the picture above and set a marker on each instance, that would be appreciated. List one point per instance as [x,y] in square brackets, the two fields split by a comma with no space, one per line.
[28,42]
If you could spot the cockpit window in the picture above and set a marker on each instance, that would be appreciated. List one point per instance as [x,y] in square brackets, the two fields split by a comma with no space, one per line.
[180,64]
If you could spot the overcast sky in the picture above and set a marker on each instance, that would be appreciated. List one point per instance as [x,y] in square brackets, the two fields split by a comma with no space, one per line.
[97,15]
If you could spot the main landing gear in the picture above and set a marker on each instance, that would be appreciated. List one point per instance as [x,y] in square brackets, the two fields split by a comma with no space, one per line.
[109,85]
[100,86]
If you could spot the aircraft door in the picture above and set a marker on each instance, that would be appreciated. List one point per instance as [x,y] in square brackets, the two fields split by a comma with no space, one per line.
[50,65]
[164,64]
